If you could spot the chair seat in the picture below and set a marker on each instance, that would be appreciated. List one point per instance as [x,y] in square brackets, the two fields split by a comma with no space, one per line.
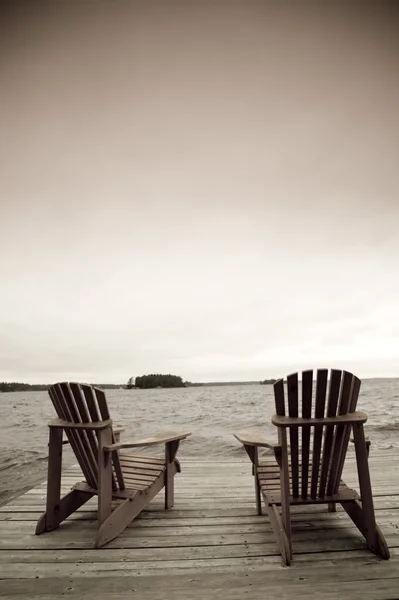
[269,482]
[139,472]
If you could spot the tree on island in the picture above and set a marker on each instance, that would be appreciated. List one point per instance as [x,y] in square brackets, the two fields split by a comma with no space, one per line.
[159,381]
[130,383]
[268,381]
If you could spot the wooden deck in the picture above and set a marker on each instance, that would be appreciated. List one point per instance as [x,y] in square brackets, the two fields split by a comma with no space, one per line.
[211,545]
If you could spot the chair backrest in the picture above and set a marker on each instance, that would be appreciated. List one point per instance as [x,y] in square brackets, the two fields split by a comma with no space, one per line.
[317,453]
[79,403]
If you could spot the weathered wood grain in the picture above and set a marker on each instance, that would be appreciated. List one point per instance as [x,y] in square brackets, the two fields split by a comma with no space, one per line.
[206,546]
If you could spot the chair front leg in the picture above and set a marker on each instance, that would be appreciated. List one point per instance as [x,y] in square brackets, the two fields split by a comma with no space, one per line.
[170,454]
[104,475]
[258,497]
[253,454]
[53,478]
[285,488]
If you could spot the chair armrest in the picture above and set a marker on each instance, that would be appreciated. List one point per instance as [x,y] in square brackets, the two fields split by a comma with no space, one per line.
[150,441]
[94,426]
[249,438]
[349,419]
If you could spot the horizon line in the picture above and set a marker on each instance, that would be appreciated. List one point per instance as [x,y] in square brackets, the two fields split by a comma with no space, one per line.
[231,381]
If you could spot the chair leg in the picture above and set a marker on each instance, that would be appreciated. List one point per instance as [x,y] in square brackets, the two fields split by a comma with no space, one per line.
[382,546]
[169,487]
[283,542]
[104,476]
[258,496]
[67,505]
[170,471]
[252,452]
[285,491]
[53,478]
[356,512]
[374,538]
[57,508]
[370,530]
[332,507]
[124,514]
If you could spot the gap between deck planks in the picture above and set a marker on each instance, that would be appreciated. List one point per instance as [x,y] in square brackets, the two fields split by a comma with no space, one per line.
[210,545]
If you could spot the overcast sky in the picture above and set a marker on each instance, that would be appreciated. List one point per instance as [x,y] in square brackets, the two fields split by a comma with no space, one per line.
[207,189]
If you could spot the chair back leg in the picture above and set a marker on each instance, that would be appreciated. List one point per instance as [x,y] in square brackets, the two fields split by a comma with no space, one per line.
[370,526]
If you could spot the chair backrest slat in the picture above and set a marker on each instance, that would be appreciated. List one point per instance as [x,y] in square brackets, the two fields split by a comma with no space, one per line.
[330,442]
[102,403]
[103,407]
[292,389]
[79,415]
[342,409]
[320,403]
[99,411]
[333,395]
[279,397]
[79,403]
[351,389]
[91,402]
[307,385]
[88,411]
[63,410]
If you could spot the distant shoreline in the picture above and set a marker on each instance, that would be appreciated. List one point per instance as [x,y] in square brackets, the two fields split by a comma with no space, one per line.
[26,387]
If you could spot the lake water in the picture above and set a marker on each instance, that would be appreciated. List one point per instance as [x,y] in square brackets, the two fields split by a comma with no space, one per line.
[211,413]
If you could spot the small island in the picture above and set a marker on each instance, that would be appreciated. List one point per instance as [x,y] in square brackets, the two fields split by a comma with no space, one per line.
[268,381]
[146,382]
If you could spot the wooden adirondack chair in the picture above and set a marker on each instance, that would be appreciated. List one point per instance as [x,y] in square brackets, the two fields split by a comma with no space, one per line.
[310,472]
[131,480]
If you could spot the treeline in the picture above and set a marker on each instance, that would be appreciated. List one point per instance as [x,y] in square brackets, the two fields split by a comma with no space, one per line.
[220,383]
[158,381]
[22,387]
[42,387]
[268,381]
[108,386]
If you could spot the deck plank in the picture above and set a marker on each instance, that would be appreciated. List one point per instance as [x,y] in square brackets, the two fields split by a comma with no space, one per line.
[211,544]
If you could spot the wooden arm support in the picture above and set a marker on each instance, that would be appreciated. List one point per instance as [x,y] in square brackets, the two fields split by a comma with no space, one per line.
[150,441]
[249,438]
[252,442]
[118,430]
[368,444]
[94,426]
[349,419]
[117,433]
